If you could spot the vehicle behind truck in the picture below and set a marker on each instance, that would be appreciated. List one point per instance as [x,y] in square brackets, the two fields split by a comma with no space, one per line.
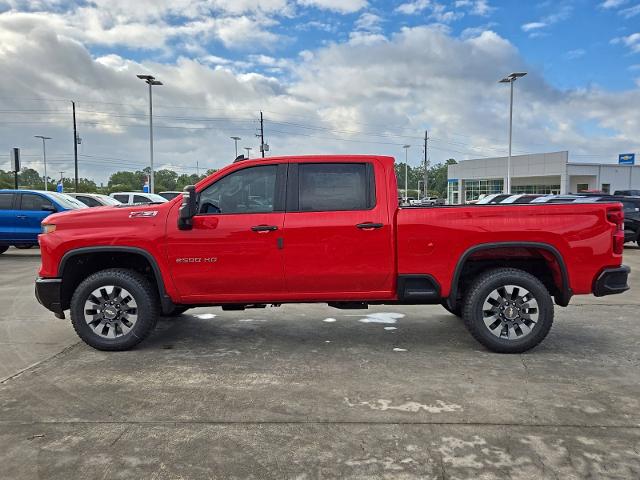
[326,229]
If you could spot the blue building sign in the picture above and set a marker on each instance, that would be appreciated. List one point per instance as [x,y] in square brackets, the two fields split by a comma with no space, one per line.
[627,159]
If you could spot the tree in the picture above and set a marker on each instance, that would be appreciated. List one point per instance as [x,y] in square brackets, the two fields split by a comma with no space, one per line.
[438,178]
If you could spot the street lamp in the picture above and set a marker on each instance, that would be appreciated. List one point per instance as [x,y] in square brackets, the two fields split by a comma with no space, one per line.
[406,173]
[235,140]
[44,157]
[511,78]
[150,80]
[248,149]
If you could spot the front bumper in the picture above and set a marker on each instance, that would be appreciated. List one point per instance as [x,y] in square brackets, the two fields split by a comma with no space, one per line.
[611,281]
[48,293]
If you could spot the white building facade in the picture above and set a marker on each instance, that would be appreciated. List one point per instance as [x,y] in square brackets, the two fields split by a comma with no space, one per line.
[536,173]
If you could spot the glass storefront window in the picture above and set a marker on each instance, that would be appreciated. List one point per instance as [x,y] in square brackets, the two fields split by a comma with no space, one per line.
[453,197]
[474,188]
[540,189]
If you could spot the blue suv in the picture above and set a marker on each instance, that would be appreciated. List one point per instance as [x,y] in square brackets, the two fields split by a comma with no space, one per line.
[22,211]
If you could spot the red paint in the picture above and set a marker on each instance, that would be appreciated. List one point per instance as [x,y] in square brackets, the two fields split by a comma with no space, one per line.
[323,255]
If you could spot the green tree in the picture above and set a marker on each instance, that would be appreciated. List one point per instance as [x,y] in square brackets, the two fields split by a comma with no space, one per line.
[438,178]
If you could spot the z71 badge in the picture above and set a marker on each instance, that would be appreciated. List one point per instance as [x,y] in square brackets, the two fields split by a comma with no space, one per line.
[196,260]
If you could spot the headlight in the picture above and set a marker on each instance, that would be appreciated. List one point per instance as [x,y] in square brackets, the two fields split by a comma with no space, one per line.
[48,228]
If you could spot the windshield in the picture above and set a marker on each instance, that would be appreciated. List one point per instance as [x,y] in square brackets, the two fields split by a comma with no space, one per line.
[109,200]
[65,200]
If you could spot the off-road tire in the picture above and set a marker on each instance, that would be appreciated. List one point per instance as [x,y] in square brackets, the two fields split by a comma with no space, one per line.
[484,286]
[144,295]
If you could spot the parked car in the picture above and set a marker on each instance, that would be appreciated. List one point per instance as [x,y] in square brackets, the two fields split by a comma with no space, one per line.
[628,193]
[169,195]
[22,211]
[326,229]
[631,209]
[95,199]
[137,198]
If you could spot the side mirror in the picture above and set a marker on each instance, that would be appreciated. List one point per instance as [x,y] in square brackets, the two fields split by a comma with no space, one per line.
[189,207]
[48,208]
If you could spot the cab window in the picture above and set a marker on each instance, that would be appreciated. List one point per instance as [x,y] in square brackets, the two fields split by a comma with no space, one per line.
[335,186]
[251,190]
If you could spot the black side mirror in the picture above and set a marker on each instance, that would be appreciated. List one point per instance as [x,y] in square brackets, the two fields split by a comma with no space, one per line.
[189,207]
[48,208]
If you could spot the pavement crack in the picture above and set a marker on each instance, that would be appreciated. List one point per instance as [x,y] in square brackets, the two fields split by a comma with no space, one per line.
[35,365]
[124,430]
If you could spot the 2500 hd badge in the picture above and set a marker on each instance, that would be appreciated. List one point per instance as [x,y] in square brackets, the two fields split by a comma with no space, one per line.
[196,260]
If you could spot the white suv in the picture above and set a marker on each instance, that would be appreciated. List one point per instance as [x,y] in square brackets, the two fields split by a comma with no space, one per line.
[137,198]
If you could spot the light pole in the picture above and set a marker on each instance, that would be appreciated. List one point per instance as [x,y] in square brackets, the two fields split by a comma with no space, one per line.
[406,173]
[150,80]
[44,157]
[512,77]
[248,149]
[235,140]
[425,195]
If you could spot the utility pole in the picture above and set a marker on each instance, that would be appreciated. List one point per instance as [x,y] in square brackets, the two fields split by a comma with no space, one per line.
[261,134]
[426,163]
[150,80]
[248,149]
[75,145]
[44,157]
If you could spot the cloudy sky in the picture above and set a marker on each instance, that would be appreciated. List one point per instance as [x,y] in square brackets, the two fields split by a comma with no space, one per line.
[331,76]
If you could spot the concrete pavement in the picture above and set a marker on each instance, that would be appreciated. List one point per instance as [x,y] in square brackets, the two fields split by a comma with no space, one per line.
[306,391]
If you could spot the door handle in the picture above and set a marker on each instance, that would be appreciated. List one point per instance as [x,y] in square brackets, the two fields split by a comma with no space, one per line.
[264,228]
[369,225]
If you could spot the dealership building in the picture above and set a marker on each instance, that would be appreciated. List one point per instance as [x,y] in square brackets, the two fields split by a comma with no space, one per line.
[538,173]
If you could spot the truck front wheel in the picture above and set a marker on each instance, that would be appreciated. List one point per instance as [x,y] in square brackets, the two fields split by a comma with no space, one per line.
[114,309]
[508,310]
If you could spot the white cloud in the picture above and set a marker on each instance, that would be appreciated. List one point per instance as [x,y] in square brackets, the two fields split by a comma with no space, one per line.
[369,22]
[563,12]
[527,27]
[613,3]
[409,8]
[631,41]
[631,11]
[575,54]
[342,6]
[476,7]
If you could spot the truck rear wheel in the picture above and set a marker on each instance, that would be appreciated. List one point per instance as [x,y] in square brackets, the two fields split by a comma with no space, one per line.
[508,310]
[114,309]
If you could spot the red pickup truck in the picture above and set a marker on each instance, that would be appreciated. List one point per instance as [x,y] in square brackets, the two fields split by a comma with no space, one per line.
[325,229]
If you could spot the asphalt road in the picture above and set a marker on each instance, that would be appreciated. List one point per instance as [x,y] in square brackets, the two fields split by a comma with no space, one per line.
[306,391]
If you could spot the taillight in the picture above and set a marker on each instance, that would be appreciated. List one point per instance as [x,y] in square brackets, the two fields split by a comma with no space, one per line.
[616,216]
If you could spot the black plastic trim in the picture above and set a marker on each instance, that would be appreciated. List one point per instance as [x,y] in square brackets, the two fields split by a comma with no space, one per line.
[612,281]
[48,294]
[418,288]
[562,299]
[165,300]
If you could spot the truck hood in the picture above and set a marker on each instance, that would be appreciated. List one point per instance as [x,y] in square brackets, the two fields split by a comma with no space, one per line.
[108,214]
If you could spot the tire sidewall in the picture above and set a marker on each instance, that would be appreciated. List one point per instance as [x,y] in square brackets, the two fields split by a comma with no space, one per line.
[473,311]
[135,285]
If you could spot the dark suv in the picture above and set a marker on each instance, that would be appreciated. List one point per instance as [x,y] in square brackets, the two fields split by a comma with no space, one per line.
[631,207]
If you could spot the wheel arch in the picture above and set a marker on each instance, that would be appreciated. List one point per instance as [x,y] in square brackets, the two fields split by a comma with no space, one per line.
[512,252]
[73,268]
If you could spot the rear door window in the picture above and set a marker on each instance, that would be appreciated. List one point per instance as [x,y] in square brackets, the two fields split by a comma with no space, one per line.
[33,202]
[88,201]
[6,201]
[140,199]
[335,186]
[122,198]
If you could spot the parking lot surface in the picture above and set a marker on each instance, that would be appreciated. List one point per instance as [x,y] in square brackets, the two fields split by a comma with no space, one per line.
[306,391]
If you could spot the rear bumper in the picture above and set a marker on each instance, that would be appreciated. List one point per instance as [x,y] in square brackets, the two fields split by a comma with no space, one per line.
[611,281]
[48,294]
